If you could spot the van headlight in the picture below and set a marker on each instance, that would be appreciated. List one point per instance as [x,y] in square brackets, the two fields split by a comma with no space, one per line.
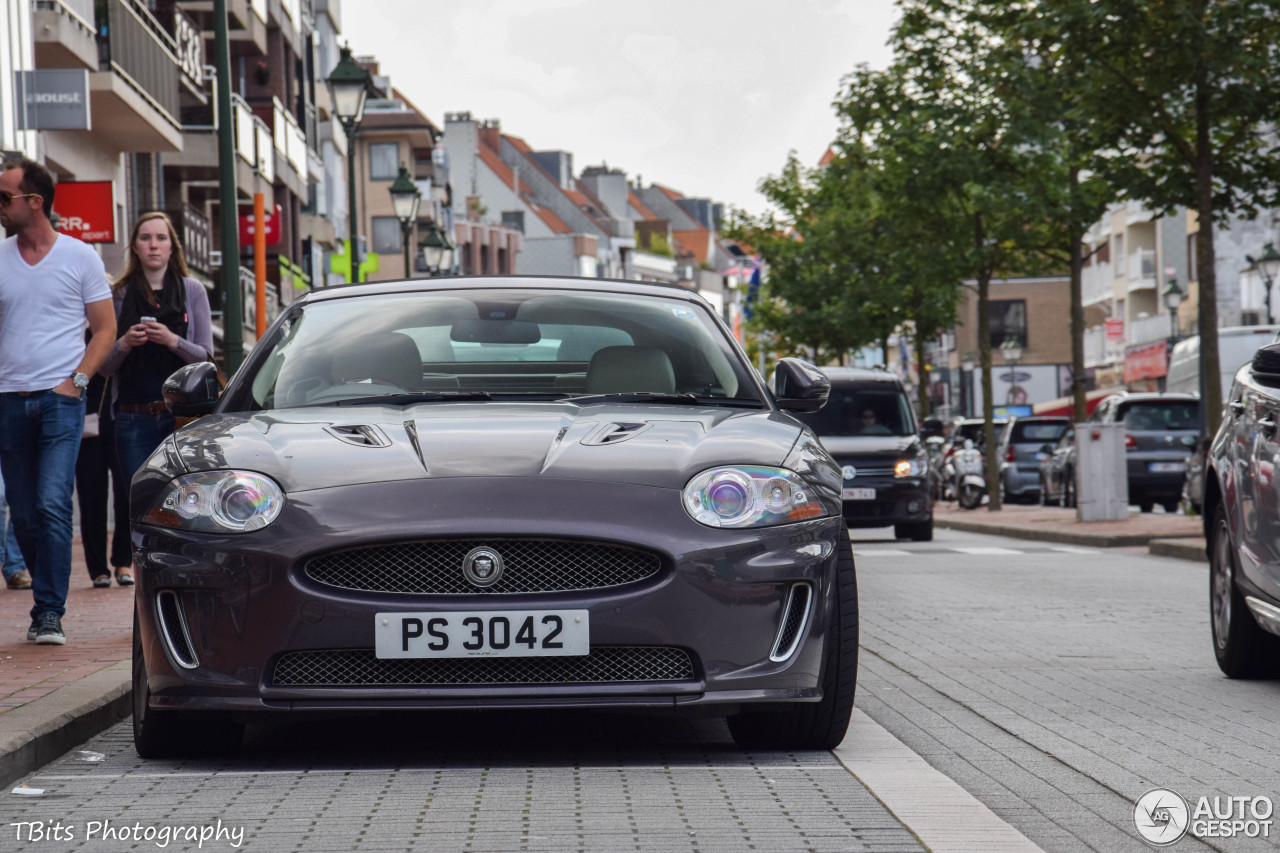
[749,496]
[218,502]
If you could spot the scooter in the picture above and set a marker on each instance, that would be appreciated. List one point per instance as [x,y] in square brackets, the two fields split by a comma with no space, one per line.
[968,483]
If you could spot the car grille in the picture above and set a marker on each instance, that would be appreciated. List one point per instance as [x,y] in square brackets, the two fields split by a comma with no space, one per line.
[362,668]
[434,567]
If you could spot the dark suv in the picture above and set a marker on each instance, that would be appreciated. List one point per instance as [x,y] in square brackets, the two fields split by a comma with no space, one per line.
[1160,431]
[1242,522]
[868,426]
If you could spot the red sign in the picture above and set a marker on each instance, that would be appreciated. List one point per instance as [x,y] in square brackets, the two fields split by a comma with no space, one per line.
[86,210]
[272,220]
[1147,362]
[1115,328]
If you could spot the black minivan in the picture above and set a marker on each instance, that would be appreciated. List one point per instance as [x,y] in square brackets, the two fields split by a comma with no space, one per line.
[870,429]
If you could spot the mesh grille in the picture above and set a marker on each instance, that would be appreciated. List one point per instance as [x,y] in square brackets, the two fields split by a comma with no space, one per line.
[175,629]
[434,567]
[362,668]
[792,622]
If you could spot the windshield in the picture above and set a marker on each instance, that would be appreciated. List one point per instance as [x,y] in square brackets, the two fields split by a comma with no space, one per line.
[442,344]
[1037,432]
[1161,415]
[863,412]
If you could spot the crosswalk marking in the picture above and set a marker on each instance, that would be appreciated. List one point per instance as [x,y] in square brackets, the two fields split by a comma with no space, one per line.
[880,552]
[1071,549]
[972,551]
[977,550]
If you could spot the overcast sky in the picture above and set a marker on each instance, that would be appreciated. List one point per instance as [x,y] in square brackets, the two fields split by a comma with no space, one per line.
[704,96]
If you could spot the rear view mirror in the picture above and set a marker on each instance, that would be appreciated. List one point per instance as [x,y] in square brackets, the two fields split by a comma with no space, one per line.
[495,332]
[192,390]
[1266,365]
[799,386]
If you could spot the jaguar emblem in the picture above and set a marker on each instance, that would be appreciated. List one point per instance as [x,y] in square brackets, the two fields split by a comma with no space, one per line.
[482,567]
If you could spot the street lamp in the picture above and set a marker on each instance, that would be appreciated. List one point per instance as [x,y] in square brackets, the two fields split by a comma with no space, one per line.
[1269,266]
[1173,297]
[1012,351]
[405,198]
[349,87]
[437,250]
[966,378]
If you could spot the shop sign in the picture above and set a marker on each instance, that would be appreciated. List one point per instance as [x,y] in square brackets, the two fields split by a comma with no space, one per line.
[271,221]
[1115,328]
[86,210]
[1146,362]
[54,99]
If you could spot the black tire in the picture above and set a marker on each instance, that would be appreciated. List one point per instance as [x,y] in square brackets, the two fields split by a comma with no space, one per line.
[1242,648]
[1146,504]
[1069,489]
[1170,506]
[160,734]
[822,724]
[921,531]
[1044,491]
[970,497]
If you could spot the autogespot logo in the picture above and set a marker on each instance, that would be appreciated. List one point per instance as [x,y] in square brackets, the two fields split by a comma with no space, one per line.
[1161,817]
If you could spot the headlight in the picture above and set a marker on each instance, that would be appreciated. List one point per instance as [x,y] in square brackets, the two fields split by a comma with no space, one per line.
[917,467]
[219,502]
[749,496]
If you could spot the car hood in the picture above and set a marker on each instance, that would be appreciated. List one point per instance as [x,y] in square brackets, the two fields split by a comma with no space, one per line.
[663,446]
[870,445]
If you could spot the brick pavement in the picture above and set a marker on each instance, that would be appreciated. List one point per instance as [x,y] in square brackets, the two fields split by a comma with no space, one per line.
[98,624]
[1054,524]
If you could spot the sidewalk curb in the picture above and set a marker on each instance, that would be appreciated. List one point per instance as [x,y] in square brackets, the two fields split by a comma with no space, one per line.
[1065,537]
[1185,549]
[38,732]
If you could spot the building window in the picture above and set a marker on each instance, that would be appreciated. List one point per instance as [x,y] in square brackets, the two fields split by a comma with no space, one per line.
[1008,320]
[1120,270]
[384,161]
[1104,252]
[386,235]
[513,219]
[1192,272]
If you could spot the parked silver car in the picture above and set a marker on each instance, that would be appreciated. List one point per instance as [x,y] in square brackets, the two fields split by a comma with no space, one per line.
[1023,446]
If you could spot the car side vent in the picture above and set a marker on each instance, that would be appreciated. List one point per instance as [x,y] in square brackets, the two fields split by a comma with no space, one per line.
[361,435]
[612,433]
[173,626]
[795,615]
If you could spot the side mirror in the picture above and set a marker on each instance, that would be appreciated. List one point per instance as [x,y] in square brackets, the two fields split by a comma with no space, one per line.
[799,386]
[1266,365]
[192,391]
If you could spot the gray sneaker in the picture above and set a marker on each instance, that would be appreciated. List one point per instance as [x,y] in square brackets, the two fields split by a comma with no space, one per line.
[49,631]
[33,630]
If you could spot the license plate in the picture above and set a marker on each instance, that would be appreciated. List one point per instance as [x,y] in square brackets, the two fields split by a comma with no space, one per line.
[1158,467]
[858,494]
[482,634]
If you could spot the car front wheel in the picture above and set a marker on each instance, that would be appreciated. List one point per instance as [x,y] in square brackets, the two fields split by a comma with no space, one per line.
[815,725]
[160,734]
[1242,648]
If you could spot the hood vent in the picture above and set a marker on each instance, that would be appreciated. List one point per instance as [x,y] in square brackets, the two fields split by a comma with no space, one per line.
[361,435]
[613,433]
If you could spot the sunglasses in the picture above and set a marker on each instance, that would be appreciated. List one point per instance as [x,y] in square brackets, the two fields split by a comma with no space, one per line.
[7,197]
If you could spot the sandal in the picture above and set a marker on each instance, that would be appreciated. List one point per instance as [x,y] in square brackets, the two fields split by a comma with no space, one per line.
[124,576]
[102,581]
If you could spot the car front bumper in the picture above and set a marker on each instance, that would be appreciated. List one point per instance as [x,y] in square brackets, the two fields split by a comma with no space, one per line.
[896,501]
[244,605]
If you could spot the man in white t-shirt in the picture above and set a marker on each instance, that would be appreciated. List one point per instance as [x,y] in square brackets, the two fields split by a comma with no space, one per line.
[50,284]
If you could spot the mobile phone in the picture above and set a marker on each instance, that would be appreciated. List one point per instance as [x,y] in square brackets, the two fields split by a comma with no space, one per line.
[146,319]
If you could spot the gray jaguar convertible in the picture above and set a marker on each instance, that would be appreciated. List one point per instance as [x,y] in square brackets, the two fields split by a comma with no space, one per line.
[493,493]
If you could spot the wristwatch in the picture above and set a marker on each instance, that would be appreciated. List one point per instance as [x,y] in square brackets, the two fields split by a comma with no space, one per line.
[80,380]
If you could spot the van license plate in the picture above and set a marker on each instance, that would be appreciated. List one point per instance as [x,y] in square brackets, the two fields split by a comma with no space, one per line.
[858,494]
[1168,467]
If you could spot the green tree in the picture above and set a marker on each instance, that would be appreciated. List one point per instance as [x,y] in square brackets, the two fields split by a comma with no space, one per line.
[1191,87]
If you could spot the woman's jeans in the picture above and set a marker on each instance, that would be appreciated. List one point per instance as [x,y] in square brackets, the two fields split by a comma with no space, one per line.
[39,440]
[137,437]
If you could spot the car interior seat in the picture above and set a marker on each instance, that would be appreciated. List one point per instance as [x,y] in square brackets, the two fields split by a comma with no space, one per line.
[615,370]
[392,358]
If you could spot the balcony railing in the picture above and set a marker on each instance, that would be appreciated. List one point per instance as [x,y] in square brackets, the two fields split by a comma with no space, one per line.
[1095,346]
[196,242]
[1146,330]
[1096,283]
[133,44]
[253,139]
[1142,267]
[289,138]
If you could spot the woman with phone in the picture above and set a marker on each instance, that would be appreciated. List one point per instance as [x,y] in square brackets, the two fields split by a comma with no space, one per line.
[164,313]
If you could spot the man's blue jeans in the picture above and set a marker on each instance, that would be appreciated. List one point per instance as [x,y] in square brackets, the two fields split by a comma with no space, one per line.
[138,436]
[39,440]
[11,561]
